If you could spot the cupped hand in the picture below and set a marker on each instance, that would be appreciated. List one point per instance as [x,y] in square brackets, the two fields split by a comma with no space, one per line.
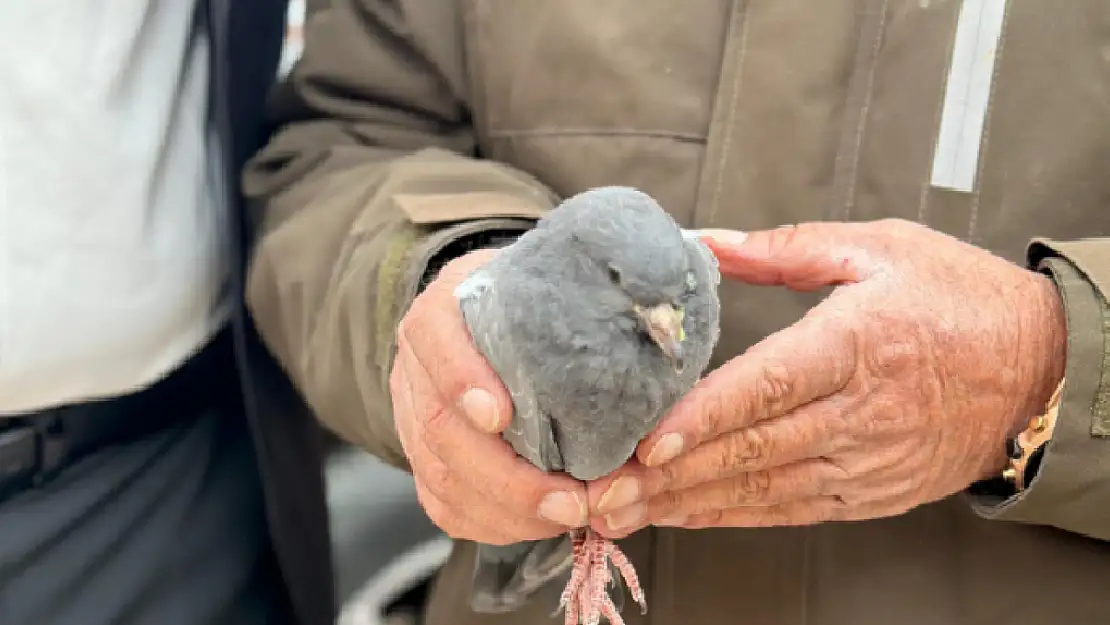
[449,407]
[899,389]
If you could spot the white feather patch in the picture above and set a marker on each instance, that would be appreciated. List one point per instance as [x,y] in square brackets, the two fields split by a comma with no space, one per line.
[474,285]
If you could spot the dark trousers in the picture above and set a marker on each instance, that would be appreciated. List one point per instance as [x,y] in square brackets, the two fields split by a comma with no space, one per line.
[163,528]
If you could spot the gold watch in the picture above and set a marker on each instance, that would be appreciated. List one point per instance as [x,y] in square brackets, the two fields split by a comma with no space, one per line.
[1022,447]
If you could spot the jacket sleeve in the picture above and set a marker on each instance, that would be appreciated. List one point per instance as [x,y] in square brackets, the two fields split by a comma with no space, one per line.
[368,177]
[1071,487]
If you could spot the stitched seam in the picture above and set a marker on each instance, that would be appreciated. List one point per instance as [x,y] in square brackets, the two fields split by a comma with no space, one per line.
[1100,425]
[861,125]
[595,132]
[973,220]
[730,115]
[472,38]
[922,207]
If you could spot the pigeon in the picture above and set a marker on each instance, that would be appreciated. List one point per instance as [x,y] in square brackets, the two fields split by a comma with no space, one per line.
[597,321]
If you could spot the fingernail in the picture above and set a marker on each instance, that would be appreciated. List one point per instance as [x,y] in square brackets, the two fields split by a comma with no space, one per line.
[665,450]
[622,492]
[732,238]
[673,521]
[564,508]
[626,517]
[480,407]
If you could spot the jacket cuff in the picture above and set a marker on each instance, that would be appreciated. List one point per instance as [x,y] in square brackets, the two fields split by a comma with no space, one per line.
[1071,488]
[437,228]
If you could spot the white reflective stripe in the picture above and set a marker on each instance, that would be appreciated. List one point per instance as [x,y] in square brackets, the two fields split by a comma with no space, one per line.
[967,94]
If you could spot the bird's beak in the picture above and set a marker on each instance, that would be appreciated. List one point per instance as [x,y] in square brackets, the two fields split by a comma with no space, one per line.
[664,326]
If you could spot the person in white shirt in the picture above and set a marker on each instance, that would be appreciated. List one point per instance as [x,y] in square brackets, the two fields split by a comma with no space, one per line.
[130,489]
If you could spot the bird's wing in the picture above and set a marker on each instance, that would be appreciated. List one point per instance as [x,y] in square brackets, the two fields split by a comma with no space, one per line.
[506,576]
[530,432]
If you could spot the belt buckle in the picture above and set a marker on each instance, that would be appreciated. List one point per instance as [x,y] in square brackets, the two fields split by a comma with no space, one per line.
[35,450]
[18,452]
[52,447]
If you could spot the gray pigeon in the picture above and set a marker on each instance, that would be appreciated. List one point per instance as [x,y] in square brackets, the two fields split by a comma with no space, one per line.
[597,321]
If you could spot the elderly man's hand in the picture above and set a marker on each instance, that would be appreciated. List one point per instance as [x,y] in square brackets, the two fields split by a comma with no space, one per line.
[448,407]
[899,389]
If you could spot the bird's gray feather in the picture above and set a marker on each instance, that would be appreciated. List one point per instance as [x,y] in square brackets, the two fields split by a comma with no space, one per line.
[585,386]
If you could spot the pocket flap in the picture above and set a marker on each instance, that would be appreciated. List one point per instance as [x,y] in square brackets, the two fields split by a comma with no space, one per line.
[440,208]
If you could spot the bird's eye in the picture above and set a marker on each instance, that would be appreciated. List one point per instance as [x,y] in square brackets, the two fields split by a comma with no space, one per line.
[614,275]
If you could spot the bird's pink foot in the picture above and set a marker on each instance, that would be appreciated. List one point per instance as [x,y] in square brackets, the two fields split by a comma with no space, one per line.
[586,598]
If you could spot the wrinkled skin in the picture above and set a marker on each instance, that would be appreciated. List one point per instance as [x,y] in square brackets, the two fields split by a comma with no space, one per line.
[897,390]
[470,482]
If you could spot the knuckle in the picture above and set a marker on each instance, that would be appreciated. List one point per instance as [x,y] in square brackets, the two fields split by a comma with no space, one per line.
[435,424]
[667,503]
[774,389]
[670,475]
[722,461]
[786,237]
[713,419]
[751,448]
[523,494]
[750,488]
[439,480]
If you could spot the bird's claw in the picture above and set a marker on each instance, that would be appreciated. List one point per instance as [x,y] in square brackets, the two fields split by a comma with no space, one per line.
[586,598]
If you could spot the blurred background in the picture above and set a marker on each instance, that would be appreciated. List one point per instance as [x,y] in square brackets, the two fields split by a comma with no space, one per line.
[383,545]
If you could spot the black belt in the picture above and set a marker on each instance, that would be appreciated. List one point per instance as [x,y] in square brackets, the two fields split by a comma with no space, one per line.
[35,446]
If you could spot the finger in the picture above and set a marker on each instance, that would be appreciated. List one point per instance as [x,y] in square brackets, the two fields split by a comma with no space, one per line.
[467,513]
[457,524]
[487,466]
[793,482]
[457,508]
[437,334]
[809,360]
[460,497]
[821,509]
[803,258]
[812,431]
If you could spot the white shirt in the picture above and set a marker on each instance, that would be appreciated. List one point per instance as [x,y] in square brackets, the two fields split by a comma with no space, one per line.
[113,260]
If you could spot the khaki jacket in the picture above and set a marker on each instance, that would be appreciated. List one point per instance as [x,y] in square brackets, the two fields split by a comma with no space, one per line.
[412,123]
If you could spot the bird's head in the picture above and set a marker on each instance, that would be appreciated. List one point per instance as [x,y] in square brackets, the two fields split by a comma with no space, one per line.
[631,255]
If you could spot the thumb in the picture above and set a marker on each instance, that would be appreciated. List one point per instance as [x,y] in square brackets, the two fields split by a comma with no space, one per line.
[440,341]
[805,257]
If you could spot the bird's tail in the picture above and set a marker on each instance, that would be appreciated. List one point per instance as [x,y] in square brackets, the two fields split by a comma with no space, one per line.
[505,577]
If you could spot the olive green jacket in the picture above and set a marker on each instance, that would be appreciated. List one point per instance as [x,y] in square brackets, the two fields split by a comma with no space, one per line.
[410,125]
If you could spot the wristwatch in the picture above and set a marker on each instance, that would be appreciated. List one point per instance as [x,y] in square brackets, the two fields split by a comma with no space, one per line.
[1030,442]
[1025,452]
